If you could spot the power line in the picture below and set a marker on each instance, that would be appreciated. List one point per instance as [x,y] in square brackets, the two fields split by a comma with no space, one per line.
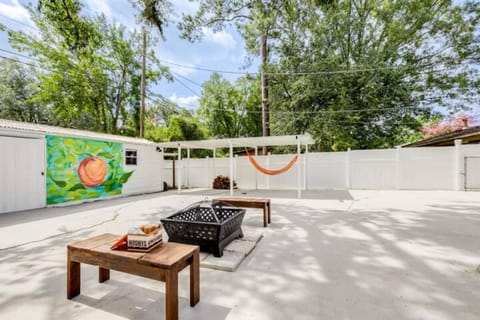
[25,63]
[19,22]
[19,54]
[346,71]
[186,79]
[187,87]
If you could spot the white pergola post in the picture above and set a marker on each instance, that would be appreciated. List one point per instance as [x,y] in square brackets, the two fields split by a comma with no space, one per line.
[305,160]
[299,188]
[188,168]
[255,170]
[231,169]
[213,165]
[179,170]
[207,169]
[268,167]
[162,167]
[235,167]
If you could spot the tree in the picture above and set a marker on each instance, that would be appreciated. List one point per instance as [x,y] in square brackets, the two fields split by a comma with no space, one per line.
[18,86]
[363,73]
[231,110]
[90,73]
[255,19]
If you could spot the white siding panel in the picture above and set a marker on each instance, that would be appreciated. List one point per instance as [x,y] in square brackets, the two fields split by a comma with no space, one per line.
[148,173]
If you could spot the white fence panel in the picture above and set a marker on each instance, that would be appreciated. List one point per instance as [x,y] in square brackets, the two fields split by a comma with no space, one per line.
[286,180]
[427,168]
[327,170]
[245,173]
[373,169]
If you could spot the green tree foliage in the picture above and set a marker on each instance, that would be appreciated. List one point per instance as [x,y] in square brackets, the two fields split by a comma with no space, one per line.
[18,86]
[90,73]
[365,74]
[231,110]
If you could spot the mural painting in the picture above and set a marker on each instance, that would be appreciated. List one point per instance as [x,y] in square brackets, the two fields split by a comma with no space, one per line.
[80,169]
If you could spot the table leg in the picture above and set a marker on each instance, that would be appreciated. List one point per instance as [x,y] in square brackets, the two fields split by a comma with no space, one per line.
[103,274]
[73,278]
[195,278]
[171,292]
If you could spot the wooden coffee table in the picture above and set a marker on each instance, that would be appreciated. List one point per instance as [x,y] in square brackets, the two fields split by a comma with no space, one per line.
[162,263]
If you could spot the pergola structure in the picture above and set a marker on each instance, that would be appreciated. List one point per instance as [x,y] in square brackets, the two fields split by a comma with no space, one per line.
[254,142]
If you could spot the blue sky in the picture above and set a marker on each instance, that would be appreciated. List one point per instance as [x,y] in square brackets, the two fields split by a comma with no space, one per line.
[223,50]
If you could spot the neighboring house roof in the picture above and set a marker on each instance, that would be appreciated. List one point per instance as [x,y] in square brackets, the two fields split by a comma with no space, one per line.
[467,135]
[9,125]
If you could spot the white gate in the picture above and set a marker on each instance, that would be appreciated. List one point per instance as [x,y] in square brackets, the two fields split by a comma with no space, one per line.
[22,174]
[472,173]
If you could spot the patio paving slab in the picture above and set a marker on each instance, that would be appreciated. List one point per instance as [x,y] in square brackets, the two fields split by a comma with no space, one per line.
[368,255]
[234,253]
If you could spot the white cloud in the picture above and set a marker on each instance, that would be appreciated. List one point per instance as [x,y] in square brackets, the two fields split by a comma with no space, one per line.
[99,6]
[15,11]
[222,38]
[186,102]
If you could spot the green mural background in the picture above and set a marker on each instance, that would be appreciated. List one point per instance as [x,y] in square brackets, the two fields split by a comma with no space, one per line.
[73,163]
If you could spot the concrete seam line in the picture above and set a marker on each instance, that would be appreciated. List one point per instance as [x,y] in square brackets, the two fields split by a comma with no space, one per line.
[60,234]
[115,216]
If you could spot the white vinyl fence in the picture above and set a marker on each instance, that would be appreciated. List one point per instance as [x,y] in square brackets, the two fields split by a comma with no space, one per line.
[427,168]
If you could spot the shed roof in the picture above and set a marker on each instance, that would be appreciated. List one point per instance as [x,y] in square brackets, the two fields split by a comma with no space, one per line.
[9,125]
[241,142]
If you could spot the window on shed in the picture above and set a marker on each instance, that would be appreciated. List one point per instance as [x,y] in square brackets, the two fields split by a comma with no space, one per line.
[131,157]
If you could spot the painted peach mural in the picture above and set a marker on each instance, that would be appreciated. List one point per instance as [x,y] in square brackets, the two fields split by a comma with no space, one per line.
[80,169]
[92,171]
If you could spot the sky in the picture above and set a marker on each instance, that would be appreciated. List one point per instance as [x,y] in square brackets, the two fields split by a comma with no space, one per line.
[222,50]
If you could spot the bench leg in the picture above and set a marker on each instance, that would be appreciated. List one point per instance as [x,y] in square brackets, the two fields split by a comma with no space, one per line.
[73,278]
[103,274]
[265,216]
[269,212]
[171,292]
[195,278]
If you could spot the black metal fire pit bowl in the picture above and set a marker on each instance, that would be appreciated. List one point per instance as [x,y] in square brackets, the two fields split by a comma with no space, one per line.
[210,224]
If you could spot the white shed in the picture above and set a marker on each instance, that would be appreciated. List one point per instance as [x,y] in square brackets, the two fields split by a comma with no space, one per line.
[44,165]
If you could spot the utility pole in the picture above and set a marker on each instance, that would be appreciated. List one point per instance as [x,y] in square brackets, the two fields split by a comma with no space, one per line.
[264,88]
[143,81]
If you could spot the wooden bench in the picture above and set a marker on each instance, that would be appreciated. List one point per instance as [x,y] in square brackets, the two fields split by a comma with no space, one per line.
[259,203]
[162,263]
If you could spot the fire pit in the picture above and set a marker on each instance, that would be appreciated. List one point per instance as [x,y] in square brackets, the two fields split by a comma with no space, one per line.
[210,224]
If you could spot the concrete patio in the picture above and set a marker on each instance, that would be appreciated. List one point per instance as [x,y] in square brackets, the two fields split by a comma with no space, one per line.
[333,255]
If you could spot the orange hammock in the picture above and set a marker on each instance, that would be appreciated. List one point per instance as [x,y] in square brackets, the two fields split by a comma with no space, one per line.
[268,171]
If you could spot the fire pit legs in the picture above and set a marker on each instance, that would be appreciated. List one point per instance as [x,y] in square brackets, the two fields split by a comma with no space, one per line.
[218,250]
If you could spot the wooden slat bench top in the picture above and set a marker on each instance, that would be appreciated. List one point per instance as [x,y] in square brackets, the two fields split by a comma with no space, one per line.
[166,255]
[260,203]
